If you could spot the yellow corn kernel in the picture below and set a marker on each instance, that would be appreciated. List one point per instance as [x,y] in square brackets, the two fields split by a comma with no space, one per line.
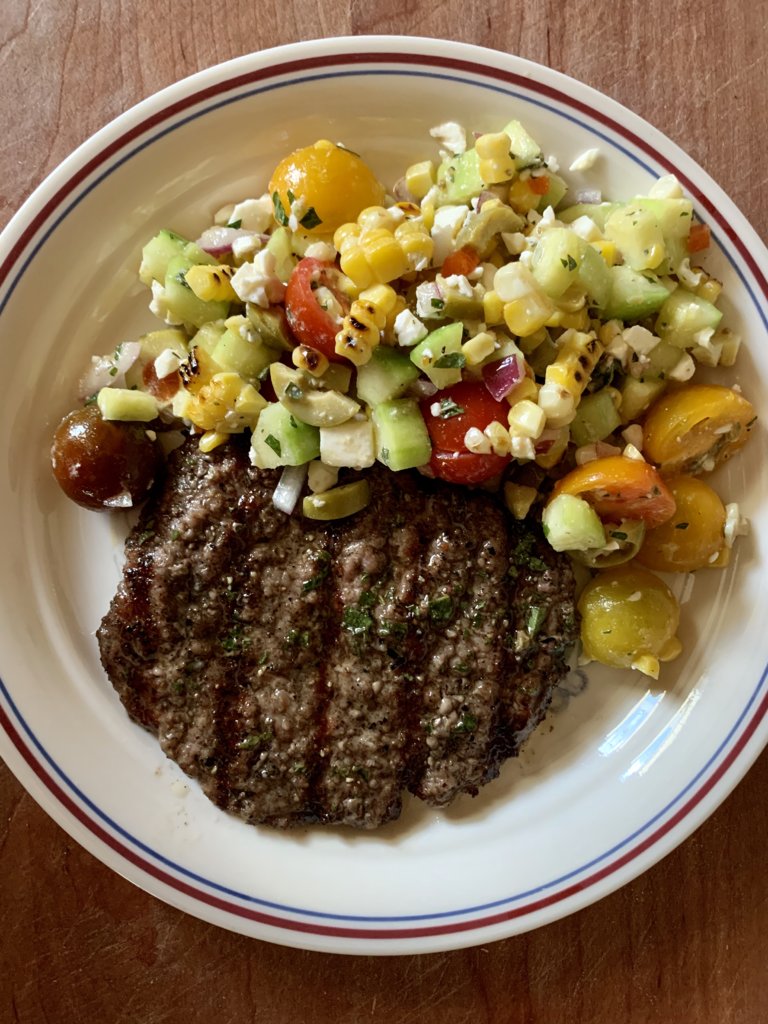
[575,321]
[249,403]
[608,251]
[355,265]
[496,163]
[388,335]
[384,254]
[211,439]
[521,197]
[528,314]
[576,359]
[345,235]
[493,308]
[416,243]
[428,214]
[198,369]
[498,435]
[310,359]
[526,418]
[709,289]
[731,343]
[211,283]
[478,348]
[526,390]
[383,297]
[373,218]
[518,498]
[419,178]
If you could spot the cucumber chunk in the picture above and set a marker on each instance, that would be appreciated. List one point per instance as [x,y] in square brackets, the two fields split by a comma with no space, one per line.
[596,418]
[458,178]
[571,524]
[158,253]
[683,315]
[633,295]
[598,212]
[637,234]
[182,302]
[125,404]
[439,355]
[386,375]
[281,440]
[526,150]
[234,352]
[562,259]
[402,441]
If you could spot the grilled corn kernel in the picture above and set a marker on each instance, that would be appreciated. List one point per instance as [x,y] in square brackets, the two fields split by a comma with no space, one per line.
[382,296]
[478,348]
[558,404]
[419,178]
[575,361]
[496,163]
[211,283]
[527,418]
[360,332]
[304,357]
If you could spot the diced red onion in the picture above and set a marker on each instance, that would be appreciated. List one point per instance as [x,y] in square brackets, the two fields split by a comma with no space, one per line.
[502,377]
[106,371]
[288,489]
[218,240]
[589,195]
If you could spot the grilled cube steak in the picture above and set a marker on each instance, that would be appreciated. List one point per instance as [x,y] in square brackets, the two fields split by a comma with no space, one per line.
[307,672]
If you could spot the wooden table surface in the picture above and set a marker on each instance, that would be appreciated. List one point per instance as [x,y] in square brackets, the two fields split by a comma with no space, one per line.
[685,942]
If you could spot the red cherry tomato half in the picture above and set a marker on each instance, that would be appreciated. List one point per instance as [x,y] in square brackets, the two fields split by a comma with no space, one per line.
[309,321]
[464,405]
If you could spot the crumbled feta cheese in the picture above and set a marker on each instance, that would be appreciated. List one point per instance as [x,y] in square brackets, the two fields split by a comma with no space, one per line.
[409,329]
[159,305]
[458,284]
[451,136]
[514,241]
[586,228]
[166,363]
[298,209]
[684,369]
[321,251]
[245,245]
[257,281]
[640,339]
[429,303]
[735,524]
[553,164]
[586,160]
[328,301]
[667,187]
[254,214]
[445,227]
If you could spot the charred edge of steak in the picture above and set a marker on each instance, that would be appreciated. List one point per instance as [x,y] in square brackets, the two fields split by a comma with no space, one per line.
[307,672]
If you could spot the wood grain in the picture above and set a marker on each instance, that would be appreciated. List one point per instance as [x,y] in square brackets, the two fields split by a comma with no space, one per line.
[686,941]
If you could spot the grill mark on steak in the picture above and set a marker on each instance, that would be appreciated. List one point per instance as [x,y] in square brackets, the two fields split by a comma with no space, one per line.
[307,672]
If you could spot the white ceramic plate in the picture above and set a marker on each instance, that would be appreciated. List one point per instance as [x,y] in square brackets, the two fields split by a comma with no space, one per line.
[606,787]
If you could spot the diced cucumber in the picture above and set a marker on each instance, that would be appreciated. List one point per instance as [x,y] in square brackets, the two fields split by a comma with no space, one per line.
[280,244]
[637,234]
[281,440]
[634,296]
[596,418]
[182,302]
[598,212]
[351,444]
[637,395]
[674,216]
[208,337]
[555,194]
[337,378]
[126,404]
[157,254]
[439,355]
[562,258]
[196,255]
[338,502]
[248,358]
[526,150]
[458,178]
[683,315]
[402,440]
[661,359]
[571,524]
[386,375]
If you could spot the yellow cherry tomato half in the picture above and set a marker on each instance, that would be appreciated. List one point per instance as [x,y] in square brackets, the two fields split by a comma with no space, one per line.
[629,619]
[327,185]
[694,428]
[694,537]
[620,488]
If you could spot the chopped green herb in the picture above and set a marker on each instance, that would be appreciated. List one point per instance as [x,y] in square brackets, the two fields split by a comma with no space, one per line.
[310,219]
[235,224]
[467,723]
[294,391]
[438,304]
[536,616]
[274,444]
[255,740]
[280,215]
[449,408]
[441,609]
[297,638]
[356,621]
[451,361]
